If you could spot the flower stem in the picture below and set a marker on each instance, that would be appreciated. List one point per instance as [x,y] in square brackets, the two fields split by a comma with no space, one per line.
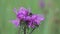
[19,30]
[32,31]
[24,29]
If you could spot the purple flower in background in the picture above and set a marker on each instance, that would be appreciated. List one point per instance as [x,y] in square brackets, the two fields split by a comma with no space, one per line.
[42,3]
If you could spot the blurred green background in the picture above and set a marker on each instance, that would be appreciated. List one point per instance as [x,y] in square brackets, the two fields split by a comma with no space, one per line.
[51,11]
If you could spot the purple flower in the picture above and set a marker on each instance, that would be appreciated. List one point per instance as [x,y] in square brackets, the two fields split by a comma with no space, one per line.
[42,3]
[27,17]
[21,14]
[35,20]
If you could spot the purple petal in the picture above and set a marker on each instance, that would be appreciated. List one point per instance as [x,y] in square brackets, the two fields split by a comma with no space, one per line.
[15,22]
[37,19]
[21,16]
[28,18]
[22,10]
[40,17]
[31,25]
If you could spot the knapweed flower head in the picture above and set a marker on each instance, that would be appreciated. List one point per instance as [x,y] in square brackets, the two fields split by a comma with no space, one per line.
[42,3]
[25,16]
[35,20]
